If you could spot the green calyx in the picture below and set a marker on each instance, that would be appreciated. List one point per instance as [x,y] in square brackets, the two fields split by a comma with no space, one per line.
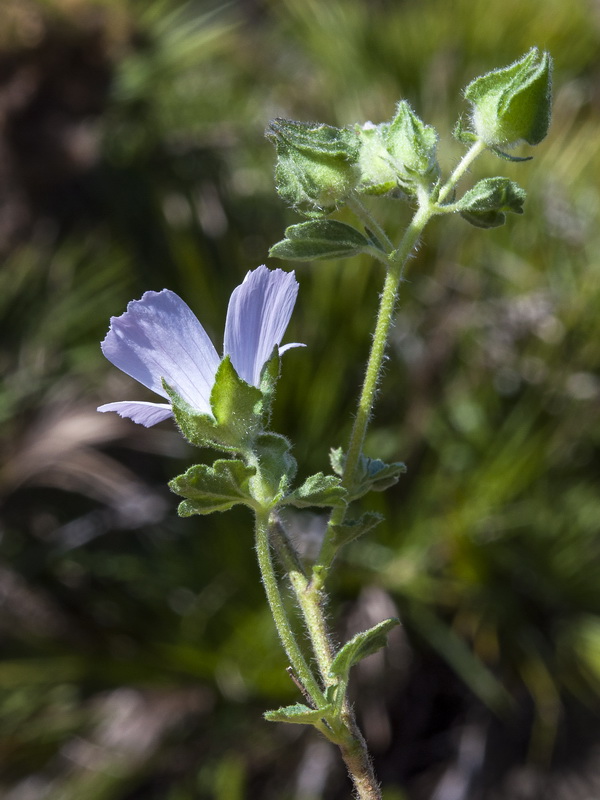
[412,145]
[317,165]
[237,415]
[378,175]
[513,104]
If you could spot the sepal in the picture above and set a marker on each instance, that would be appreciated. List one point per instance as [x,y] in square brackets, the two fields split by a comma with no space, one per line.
[201,430]
[486,204]
[325,491]
[320,239]
[412,145]
[299,714]
[462,134]
[237,409]
[268,384]
[236,406]
[378,175]
[507,156]
[360,646]
[217,488]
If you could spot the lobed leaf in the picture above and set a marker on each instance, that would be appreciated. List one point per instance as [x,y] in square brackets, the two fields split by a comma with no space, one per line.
[213,488]
[318,490]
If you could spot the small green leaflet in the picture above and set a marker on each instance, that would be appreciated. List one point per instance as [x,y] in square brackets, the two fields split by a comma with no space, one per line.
[318,490]
[352,529]
[360,646]
[299,714]
[320,239]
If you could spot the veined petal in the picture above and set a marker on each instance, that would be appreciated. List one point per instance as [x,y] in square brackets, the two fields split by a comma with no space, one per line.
[258,314]
[147,414]
[160,337]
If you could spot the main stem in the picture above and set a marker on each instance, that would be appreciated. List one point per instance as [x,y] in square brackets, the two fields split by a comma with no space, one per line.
[346,733]
[344,730]
[397,261]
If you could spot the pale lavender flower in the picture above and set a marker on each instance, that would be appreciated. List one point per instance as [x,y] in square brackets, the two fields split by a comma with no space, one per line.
[159,337]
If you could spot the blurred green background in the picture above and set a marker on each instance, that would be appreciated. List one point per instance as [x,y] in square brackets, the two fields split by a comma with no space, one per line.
[137,651]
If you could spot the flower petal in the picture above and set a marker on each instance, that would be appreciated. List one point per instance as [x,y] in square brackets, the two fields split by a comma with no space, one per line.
[258,314]
[147,414]
[160,337]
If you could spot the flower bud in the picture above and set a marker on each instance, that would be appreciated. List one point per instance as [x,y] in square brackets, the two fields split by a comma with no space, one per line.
[398,157]
[513,104]
[377,173]
[412,145]
[317,165]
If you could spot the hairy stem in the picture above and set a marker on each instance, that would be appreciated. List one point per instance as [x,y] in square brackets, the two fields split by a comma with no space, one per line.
[344,731]
[397,262]
[463,165]
[278,610]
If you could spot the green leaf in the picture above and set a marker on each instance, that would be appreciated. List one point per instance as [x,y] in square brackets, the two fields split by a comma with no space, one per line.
[372,474]
[318,490]
[378,475]
[360,646]
[299,714]
[237,408]
[217,488]
[320,239]
[352,529]
[484,219]
[486,203]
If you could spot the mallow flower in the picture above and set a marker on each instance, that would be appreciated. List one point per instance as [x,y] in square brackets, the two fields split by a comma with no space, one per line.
[160,339]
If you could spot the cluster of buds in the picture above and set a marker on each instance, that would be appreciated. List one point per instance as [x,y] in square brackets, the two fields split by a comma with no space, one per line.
[319,166]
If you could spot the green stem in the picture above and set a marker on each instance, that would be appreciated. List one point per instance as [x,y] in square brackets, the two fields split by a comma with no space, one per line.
[397,260]
[463,165]
[278,610]
[369,221]
[344,731]
[311,602]
[385,315]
